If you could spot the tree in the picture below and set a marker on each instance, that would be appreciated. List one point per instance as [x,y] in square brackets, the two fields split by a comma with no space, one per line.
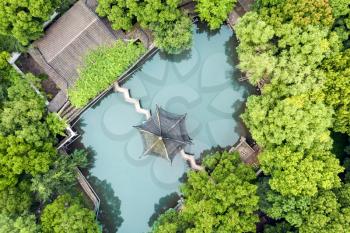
[56,124]
[66,215]
[321,213]
[295,120]
[220,199]
[215,12]
[117,11]
[24,19]
[172,29]
[174,38]
[4,56]
[26,143]
[15,200]
[338,89]
[61,177]
[22,224]
[300,172]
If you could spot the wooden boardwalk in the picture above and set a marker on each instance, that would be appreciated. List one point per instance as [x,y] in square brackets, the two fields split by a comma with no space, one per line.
[89,191]
[242,6]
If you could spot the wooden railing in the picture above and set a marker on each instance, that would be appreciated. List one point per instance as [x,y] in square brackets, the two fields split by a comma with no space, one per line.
[89,191]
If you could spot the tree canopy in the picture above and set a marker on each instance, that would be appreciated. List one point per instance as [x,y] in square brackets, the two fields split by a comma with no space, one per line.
[66,214]
[220,199]
[215,12]
[172,28]
[24,19]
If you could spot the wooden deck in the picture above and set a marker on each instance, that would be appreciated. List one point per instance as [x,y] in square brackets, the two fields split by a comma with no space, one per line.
[248,154]
[242,6]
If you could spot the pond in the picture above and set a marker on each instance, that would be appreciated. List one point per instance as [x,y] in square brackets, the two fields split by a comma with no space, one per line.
[202,83]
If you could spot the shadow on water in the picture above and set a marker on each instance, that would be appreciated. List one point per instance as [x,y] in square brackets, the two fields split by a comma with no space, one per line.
[109,214]
[203,28]
[239,105]
[185,55]
[78,144]
[165,203]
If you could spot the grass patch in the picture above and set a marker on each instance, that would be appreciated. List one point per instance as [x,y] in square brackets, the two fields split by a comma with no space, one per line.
[101,68]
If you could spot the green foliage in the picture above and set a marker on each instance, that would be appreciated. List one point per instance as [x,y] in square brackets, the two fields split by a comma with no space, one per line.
[304,78]
[56,124]
[305,12]
[26,143]
[340,7]
[66,215]
[174,38]
[23,19]
[300,172]
[338,89]
[15,200]
[282,227]
[4,56]
[221,199]
[172,29]
[294,120]
[10,44]
[215,12]
[117,12]
[101,68]
[22,224]
[61,177]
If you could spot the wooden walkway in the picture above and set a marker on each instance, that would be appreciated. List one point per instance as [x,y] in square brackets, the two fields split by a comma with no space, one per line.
[89,191]
[242,6]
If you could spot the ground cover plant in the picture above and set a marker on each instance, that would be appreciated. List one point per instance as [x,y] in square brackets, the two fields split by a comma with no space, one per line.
[101,68]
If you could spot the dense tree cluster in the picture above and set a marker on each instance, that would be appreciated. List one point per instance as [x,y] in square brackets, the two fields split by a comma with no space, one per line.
[223,198]
[172,28]
[32,173]
[298,53]
[24,19]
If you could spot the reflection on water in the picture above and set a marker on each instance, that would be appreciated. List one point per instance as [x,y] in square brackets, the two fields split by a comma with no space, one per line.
[202,83]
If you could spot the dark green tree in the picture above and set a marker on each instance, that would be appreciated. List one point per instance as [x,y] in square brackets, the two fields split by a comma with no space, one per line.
[61,177]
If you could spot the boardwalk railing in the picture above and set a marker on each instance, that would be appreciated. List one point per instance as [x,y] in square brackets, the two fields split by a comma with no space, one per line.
[90,192]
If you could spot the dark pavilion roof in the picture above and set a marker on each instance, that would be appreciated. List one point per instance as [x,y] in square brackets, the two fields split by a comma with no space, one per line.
[164,134]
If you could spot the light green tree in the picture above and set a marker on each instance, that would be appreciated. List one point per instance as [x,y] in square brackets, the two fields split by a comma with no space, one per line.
[22,224]
[174,38]
[295,120]
[214,12]
[301,172]
[117,11]
[65,215]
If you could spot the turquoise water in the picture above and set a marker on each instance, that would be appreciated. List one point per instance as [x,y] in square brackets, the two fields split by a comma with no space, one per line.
[201,83]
